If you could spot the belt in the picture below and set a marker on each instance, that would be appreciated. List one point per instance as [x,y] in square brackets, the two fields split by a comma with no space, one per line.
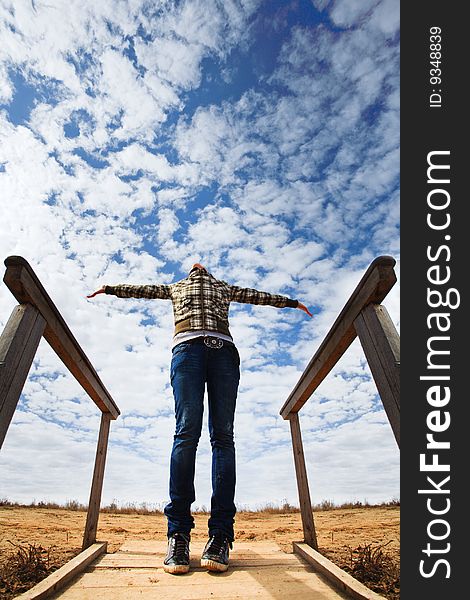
[211,341]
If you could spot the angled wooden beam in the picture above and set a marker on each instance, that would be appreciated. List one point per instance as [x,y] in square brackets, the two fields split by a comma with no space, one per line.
[26,287]
[377,281]
[381,345]
[339,578]
[18,345]
[308,525]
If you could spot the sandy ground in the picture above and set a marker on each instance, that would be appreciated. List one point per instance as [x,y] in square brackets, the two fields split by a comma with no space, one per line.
[338,531]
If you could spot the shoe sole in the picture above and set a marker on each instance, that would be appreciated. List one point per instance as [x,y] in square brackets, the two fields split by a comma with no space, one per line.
[176,569]
[213,565]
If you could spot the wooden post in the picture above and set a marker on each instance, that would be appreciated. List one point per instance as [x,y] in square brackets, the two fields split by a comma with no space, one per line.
[381,344]
[91,526]
[308,525]
[18,344]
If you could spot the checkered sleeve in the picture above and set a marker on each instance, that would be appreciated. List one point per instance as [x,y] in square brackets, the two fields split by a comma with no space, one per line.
[124,290]
[251,296]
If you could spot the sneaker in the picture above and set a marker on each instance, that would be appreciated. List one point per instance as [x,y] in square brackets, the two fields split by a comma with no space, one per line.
[215,554]
[177,558]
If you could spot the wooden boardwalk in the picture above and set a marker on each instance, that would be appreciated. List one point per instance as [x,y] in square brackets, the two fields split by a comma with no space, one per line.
[257,570]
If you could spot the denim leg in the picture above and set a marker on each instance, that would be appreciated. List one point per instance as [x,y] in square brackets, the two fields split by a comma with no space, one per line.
[188,382]
[223,375]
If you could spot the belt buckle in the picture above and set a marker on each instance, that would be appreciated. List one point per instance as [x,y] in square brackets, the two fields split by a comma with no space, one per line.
[213,342]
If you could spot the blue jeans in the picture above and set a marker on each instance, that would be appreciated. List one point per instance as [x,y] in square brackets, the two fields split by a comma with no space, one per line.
[192,366]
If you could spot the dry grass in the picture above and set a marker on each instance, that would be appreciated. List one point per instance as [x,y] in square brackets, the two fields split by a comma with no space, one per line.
[355,536]
[25,566]
[376,569]
[145,508]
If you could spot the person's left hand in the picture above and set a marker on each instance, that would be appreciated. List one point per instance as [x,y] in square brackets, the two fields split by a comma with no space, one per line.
[100,291]
[304,308]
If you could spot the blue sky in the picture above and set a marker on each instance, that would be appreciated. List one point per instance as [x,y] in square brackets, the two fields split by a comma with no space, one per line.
[258,138]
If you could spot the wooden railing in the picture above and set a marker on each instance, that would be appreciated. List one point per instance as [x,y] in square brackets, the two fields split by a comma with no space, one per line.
[37,316]
[362,316]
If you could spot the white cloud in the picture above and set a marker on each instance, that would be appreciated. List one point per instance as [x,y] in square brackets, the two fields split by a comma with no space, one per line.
[6,88]
[350,12]
[172,60]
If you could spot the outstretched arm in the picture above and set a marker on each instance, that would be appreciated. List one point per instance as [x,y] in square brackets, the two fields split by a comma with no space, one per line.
[251,296]
[125,290]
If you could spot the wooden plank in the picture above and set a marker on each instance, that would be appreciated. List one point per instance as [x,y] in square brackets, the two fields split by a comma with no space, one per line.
[144,578]
[284,575]
[160,546]
[130,561]
[60,578]
[150,553]
[91,525]
[277,580]
[286,591]
[310,536]
[239,554]
[26,287]
[342,580]
[18,344]
[377,281]
[381,345]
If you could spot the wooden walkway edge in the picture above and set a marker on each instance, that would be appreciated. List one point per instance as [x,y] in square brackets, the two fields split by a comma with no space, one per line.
[339,578]
[60,578]
[258,570]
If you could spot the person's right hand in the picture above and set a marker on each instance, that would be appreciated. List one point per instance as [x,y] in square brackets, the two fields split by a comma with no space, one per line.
[100,291]
[304,308]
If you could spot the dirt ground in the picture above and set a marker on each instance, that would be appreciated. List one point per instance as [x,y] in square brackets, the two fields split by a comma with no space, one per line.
[339,531]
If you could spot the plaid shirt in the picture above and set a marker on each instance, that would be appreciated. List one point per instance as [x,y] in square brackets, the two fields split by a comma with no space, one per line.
[200,301]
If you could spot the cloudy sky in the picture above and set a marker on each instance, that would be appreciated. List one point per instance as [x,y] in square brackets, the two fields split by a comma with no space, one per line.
[257,137]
